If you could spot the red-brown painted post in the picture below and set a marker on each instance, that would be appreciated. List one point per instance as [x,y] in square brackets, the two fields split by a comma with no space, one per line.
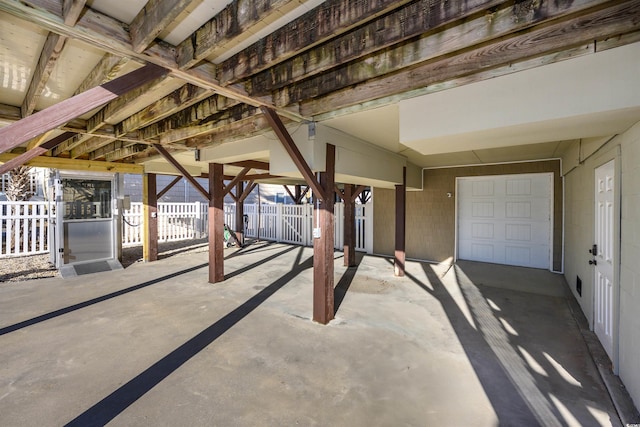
[349,226]
[401,196]
[216,223]
[323,246]
[239,228]
[150,207]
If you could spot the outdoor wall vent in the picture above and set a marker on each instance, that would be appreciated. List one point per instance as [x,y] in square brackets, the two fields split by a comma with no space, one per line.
[579,285]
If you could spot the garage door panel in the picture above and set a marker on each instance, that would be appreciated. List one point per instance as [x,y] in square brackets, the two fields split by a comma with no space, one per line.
[505,219]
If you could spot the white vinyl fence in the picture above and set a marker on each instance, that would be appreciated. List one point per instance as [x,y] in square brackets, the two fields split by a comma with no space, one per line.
[24,227]
[275,222]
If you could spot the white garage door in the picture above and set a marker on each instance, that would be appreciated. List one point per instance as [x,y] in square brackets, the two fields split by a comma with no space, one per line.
[505,219]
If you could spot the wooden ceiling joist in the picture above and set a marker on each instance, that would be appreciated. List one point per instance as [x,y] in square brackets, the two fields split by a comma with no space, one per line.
[599,23]
[188,116]
[152,20]
[81,165]
[410,20]
[550,40]
[106,70]
[53,117]
[331,18]
[179,99]
[234,20]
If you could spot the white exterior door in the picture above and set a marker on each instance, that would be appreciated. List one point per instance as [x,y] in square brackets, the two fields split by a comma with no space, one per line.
[506,219]
[603,259]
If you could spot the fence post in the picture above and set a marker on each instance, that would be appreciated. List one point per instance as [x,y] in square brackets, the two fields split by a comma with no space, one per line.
[198,220]
[278,235]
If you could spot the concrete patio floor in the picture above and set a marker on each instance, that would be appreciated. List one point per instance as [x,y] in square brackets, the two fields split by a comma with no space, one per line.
[155,344]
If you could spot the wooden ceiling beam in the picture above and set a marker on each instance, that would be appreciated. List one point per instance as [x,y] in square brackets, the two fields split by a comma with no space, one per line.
[106,70]
[81,165]
[188,116]
[109,148]
[451,40]
[232,21]
[252,164]
[128,151]
[59,114]
[111,35]
[71,10]
[552,40]
[179,99]
[48,57]
[116,106]
[236,131]
[33,153]
[154,17]
[239,112]
[331,18]
[410,20]
[91,144]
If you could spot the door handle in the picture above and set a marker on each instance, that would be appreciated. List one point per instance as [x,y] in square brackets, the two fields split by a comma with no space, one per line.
[593,262]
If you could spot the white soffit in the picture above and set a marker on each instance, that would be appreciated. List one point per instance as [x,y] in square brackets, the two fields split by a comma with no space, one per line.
[69,72]
[122,10]
[20,46]
[589,96]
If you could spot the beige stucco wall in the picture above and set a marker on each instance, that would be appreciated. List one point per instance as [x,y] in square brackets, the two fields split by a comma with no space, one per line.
[430,213]
[579,204]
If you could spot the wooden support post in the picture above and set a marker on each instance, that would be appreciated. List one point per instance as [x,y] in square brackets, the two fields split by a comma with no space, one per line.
[349,226]
[216,223]
[323,246]
[401,196]
[150,207]
[239,228]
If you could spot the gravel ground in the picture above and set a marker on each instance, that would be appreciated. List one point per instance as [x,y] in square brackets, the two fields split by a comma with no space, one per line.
[17,269]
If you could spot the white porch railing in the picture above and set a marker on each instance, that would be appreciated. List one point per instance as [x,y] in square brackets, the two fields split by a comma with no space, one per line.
[24,228]
[275,222]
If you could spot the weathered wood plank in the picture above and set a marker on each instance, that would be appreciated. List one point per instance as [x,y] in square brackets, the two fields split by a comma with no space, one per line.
[236,19]
[473,32]
[188,116]
[33,153]
[331,18]
[116,106]
[57,115]
[403,23]
[71,10]
[545,40]
[80,165]
[239,112]
[50,53]
[109,148]
[152,19]
[92,144]
[236,131]
[123,152]
[179,99]
[107,69]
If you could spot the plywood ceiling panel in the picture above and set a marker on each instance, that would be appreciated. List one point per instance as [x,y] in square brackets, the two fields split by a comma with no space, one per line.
[122,10]
[70,70]
[20,46]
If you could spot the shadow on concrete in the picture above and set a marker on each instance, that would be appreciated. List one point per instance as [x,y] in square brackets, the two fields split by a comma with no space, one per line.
[255,264]
[114,404]
[514,392]
[341,289]
[88,303]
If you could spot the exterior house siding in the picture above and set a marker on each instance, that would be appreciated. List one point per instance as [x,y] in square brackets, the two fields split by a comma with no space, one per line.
[580,193]
[431,214]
